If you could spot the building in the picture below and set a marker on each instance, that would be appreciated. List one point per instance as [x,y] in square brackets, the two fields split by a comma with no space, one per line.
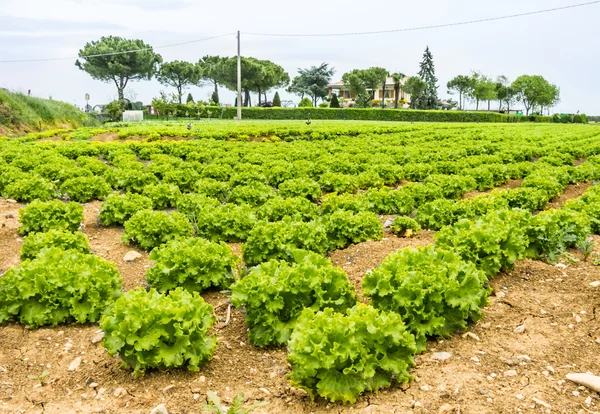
[390,94]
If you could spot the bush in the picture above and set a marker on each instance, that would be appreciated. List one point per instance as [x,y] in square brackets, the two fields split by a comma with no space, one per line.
[162,195]
[62,239]
[192,264]
[150,229]
[118,208]
[276,240]
[305,103]
[435,293]
[300,187]
[40,216]
[276,100]
[405,227]
[30,189]
[84,189]
[345,228]
[493,242]
[361,350]
[335,103]
[51,290]
[153,331]
[274,293]
[552,232]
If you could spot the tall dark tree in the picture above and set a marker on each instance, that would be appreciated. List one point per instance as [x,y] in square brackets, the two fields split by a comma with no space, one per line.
[190,98]
[335,103]
[430,99]
[179,75]
[312,82]
[276,100]
[119,68]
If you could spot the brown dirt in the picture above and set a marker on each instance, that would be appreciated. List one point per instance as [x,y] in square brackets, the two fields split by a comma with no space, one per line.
[106,137]
[545,298]
[571,191]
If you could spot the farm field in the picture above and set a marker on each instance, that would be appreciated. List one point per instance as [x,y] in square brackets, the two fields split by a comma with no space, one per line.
[448,266]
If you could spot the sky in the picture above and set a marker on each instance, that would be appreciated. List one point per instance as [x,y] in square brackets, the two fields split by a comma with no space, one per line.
[559,46]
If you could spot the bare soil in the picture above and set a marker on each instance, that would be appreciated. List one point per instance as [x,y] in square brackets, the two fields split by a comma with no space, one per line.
[493,371]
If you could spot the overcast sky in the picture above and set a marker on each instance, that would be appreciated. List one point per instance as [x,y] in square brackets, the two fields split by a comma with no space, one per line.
[561,46]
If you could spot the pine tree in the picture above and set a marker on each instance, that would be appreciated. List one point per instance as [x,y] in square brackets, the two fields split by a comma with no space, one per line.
[277,100]
[190,98]
[334,101]
[427,74]
[215,97]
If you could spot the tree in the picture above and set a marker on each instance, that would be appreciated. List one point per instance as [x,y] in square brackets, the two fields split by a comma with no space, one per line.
[484,89]
[257,76]
[354,81]
[363,100]
[118,68]
[463,85]
[305,103]
[179,75]
[313,82]
[399,80]
[429,100]
[212,72]
[360,80]
[416,88]
[163,104]
[190,98]
[335,103]
[535,91]
[215,97]
[277,100]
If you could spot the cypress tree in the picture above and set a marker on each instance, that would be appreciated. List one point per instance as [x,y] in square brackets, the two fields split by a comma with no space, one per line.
[334,101]
[190,98]
[215,97]
[277,100]
[427,74]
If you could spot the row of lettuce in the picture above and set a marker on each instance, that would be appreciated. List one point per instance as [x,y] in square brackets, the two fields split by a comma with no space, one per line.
[338,348]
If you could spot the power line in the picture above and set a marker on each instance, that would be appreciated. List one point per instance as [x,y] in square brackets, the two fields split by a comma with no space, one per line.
[119,53]
[437,26]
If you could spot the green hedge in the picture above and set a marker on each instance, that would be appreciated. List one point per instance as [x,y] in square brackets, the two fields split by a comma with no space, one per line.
[368,114]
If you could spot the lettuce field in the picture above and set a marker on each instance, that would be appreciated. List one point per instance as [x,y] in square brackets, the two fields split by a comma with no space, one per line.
[325,267]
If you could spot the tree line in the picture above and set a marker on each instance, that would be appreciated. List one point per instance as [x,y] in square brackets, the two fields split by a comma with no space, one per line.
[107,60]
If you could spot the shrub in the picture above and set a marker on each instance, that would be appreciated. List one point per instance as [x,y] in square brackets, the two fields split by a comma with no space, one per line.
[300,187]
[162,195]
[30,189]
[118,208]
[335,103]
[276,240]
[153,331]
[493,242]
[40,216]
[276,100]
[405,227]
[435,293]
[84,189]
[361,350]
[62,239]
[58,286]
[274,293]
[345,227]
[305,103]
[150,229]
[552,232]
[193,264]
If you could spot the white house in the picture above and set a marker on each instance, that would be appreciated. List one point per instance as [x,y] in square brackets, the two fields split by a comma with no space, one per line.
[390,94]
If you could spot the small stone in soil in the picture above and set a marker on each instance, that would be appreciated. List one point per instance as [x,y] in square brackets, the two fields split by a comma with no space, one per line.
[75,364]
[131,256]
[159,409]
[520,329]
[441,356]
[510,373]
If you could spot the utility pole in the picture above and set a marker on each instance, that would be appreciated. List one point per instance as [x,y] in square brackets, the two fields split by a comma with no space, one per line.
[239,79]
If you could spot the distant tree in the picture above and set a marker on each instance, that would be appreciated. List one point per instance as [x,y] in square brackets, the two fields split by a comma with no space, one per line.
[354,81]
[484,89]
[115,110]
[358,81]
[416,88]
[305,103]
[277,100]
[463,85]
[118,68]
[190,98]
[335,103]
[363,100]
[535,91]
[429,100]
[313,82]
[215,97]
[179,75]
[399,80]
[212,72]
[373,77]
